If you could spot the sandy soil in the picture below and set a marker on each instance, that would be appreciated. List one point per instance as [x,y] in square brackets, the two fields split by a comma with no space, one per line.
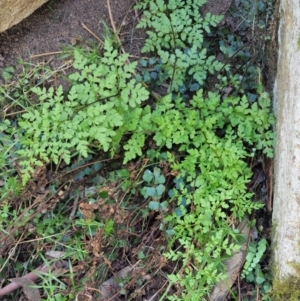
[59,23]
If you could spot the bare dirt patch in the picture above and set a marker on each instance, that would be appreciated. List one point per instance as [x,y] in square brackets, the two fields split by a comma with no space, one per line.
[57,24]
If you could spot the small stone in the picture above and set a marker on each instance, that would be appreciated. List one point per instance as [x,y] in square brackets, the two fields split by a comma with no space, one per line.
[12,11]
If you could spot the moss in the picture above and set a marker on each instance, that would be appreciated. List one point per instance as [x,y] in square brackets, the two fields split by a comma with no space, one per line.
[287,289]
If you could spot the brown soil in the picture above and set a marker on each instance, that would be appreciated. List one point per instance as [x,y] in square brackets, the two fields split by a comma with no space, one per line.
[216,7]
[60,23]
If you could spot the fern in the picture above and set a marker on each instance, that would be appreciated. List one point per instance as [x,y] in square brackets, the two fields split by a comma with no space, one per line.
[175,26]
[213,135]
[98,109]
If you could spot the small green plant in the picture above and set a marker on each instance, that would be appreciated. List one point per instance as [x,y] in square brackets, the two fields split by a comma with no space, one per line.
[215,135]
[156,190]
[101,105]
[255,253]
[52,287]
[252,270]
[8,72]
[177,33]
[204,137]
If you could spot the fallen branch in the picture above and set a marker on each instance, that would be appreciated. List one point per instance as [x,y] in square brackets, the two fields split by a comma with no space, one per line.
[94,35]
[33,276]
[233,266]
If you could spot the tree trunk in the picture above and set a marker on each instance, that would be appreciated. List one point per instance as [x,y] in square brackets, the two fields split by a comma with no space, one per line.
[286,211]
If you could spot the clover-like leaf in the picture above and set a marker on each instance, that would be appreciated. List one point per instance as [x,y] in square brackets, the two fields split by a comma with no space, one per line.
[160,189]
[158,177]
[154,205]
[164,206]
[148,176]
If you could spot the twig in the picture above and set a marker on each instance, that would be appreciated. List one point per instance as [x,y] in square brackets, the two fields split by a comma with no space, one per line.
[155,95]
[136,15]
[94,35]
[111,19]
[157,292]
[45,54]
[123,21]
[33,276]
[11,253]
[162,297]
[38,200]
[239,288]
[91,163]
[72,214]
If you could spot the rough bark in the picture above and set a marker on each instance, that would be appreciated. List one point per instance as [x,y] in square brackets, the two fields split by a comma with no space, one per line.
[286,211]
[14,11]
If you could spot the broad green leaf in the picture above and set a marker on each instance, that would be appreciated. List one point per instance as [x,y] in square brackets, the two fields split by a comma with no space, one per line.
[148,176]
[164,206]
[154,205]
[160,189]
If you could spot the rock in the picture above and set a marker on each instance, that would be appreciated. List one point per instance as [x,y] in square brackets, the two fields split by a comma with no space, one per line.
[14,11]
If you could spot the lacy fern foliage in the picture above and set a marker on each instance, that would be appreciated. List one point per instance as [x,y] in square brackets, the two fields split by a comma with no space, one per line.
[209,136]
[176,33]
[102,104]
[216,136]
